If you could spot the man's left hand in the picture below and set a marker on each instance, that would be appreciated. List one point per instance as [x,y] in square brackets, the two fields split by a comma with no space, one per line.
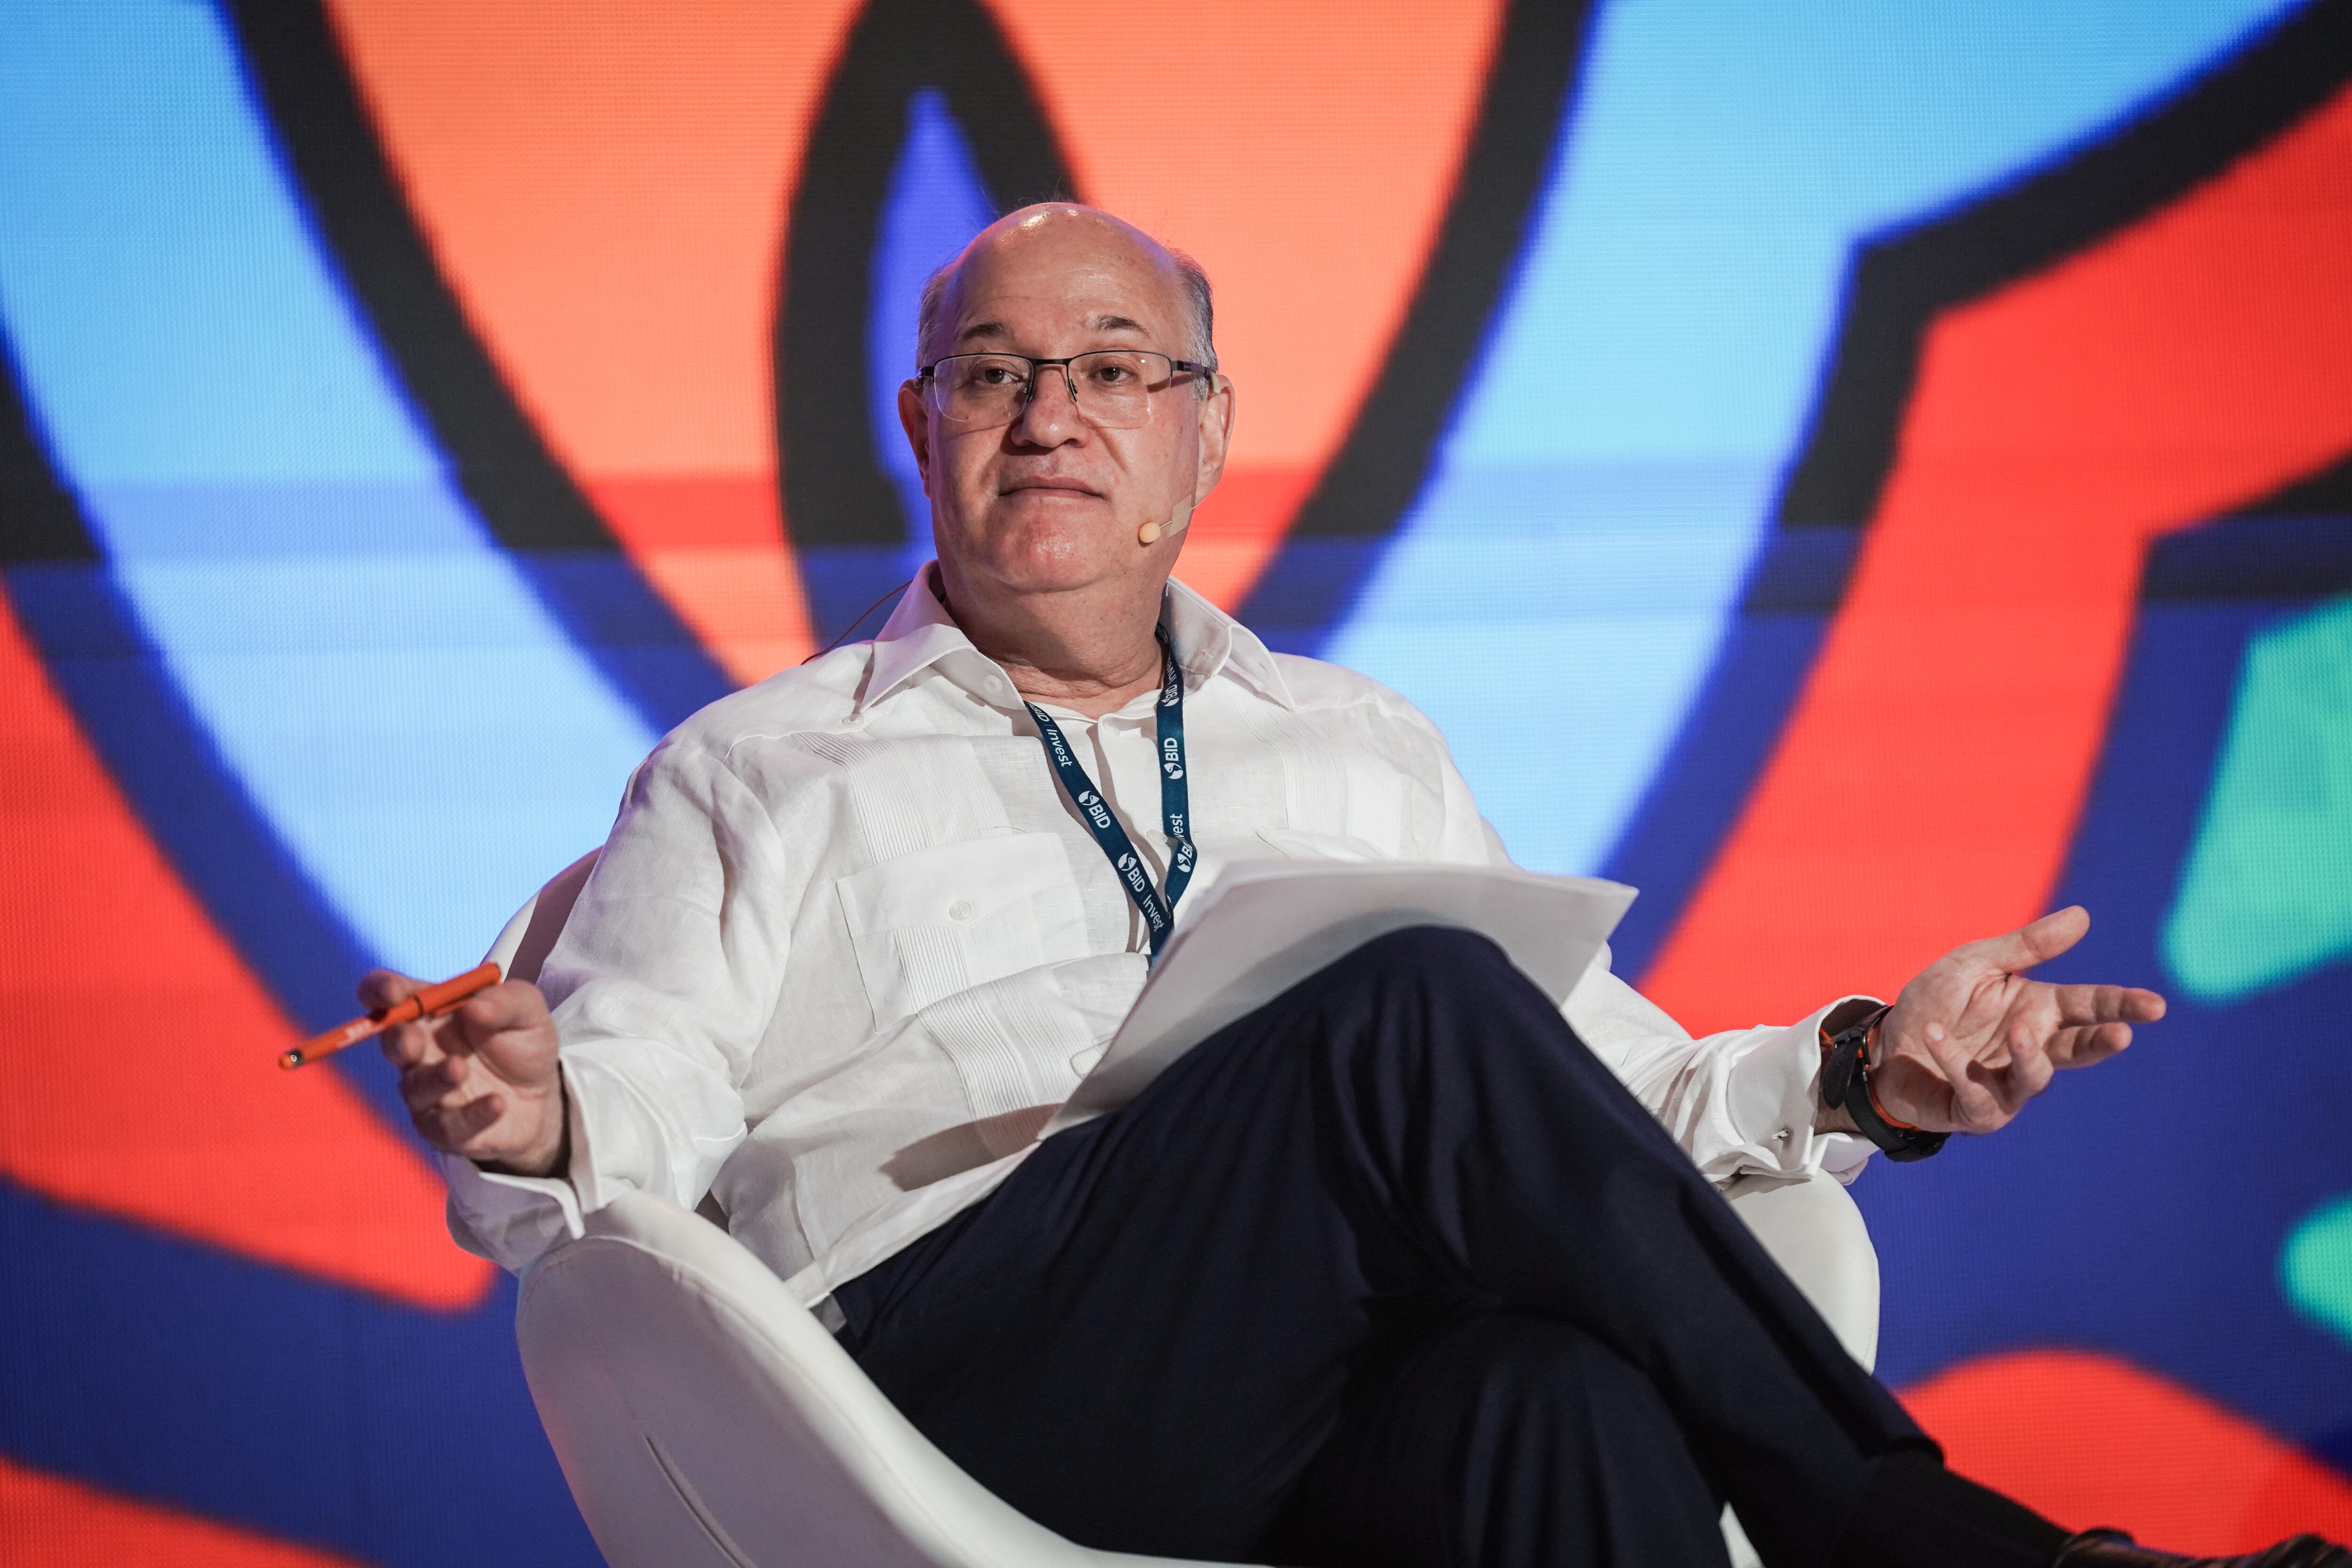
[1970,1041]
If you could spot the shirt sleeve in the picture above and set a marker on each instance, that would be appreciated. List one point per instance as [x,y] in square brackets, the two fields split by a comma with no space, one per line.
[1741,1102]
[662,984]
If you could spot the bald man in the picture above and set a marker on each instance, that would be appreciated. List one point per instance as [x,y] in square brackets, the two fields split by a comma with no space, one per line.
[1408,1266]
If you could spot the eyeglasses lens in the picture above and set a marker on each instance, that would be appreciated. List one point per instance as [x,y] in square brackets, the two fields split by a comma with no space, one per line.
[1113,388]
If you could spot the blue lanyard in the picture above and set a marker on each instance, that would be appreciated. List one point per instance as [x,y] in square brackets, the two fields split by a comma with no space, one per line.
[1175,803]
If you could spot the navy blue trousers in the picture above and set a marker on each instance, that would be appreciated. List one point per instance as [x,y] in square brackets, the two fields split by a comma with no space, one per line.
[1391,1271]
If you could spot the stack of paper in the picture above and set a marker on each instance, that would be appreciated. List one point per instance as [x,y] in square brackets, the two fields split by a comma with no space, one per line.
[1267,925]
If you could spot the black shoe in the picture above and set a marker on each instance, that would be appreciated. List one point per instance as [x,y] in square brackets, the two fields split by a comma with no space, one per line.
[2114,1549]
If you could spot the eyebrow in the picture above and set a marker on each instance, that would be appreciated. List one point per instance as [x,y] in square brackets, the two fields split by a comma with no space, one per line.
[998,330]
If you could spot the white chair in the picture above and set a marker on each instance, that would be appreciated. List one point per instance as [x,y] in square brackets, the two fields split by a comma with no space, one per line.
[704,1416]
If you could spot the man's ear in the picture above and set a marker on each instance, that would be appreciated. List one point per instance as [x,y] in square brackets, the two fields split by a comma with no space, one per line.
[1216,425]
[916,420]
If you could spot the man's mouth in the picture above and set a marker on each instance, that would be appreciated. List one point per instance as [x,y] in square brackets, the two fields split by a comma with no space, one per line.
[1051,486]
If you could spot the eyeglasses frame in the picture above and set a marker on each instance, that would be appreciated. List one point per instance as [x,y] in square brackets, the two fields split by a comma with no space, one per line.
[924,373]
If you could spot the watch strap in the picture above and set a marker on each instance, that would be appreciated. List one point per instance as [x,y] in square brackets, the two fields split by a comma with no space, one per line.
[1846,1084]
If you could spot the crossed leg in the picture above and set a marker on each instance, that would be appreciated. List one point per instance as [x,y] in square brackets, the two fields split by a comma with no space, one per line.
[1392,1271]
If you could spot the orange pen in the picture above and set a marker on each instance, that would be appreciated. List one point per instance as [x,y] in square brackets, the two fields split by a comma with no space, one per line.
[429,1002]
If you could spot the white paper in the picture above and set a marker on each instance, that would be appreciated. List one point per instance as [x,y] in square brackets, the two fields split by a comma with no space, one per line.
[1265,925]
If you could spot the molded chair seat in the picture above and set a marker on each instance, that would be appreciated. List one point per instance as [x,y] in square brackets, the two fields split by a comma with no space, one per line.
[702,1415]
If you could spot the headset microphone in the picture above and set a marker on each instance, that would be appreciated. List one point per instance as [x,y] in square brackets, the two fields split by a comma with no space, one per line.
[1153,533]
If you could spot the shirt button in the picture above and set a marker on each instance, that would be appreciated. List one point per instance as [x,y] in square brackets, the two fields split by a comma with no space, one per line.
[962,909]
[1782,1136]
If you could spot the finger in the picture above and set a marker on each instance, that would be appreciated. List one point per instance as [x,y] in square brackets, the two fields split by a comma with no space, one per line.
[436,1084]
[1973,1105]
[509,1027]
[2080,1005]
[2028,1071]
[2038,942]
[2082,1048]
[509,1004]
[459,1128]
[382,987]
[405,1045]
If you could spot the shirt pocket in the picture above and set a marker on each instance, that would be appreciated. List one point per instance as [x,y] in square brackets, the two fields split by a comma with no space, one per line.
[937,921]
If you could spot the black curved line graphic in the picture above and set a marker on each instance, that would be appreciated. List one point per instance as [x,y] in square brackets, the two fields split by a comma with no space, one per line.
[835,489]
[522,494]
[2294,546]
[1378,471]
[330,142]
[1901,283]
[39,519]
[2327,493]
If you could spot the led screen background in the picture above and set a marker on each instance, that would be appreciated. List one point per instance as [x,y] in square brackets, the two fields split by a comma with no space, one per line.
[1862,473]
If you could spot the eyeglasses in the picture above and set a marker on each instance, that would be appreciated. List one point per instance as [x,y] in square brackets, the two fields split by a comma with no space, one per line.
[1111,387]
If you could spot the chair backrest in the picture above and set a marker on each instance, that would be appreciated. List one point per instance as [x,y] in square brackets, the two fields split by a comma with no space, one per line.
[525,941]
[1816,1235]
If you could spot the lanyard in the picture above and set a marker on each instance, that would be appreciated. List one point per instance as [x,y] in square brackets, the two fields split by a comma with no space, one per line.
[1175,802]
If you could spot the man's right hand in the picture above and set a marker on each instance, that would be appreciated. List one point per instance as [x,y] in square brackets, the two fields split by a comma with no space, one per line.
[480,1081]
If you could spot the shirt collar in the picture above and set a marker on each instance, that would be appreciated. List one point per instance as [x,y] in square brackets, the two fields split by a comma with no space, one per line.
[1210,641]
[920,634]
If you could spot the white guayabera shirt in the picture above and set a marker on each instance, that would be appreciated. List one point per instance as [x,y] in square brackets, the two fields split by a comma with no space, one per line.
[848,942]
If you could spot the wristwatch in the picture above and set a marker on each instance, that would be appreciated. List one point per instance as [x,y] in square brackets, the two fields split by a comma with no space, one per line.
[1845,1082]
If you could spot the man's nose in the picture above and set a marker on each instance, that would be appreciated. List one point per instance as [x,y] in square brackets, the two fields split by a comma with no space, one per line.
[1050,412]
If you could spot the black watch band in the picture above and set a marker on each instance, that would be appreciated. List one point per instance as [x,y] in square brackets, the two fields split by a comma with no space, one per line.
[1845,1082]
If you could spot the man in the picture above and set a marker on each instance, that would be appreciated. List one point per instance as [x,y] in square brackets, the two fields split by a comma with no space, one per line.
[1394,1270]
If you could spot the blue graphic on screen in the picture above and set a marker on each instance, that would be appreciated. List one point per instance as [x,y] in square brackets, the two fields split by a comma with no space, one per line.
[1577,554]
[382,681]
[936,202]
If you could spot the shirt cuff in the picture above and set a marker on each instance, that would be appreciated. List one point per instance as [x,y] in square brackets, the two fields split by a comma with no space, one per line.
[511,1220]
[1775,1097]
[614,1147]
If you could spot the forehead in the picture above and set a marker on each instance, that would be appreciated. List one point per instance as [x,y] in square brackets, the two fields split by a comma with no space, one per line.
[1085,279]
